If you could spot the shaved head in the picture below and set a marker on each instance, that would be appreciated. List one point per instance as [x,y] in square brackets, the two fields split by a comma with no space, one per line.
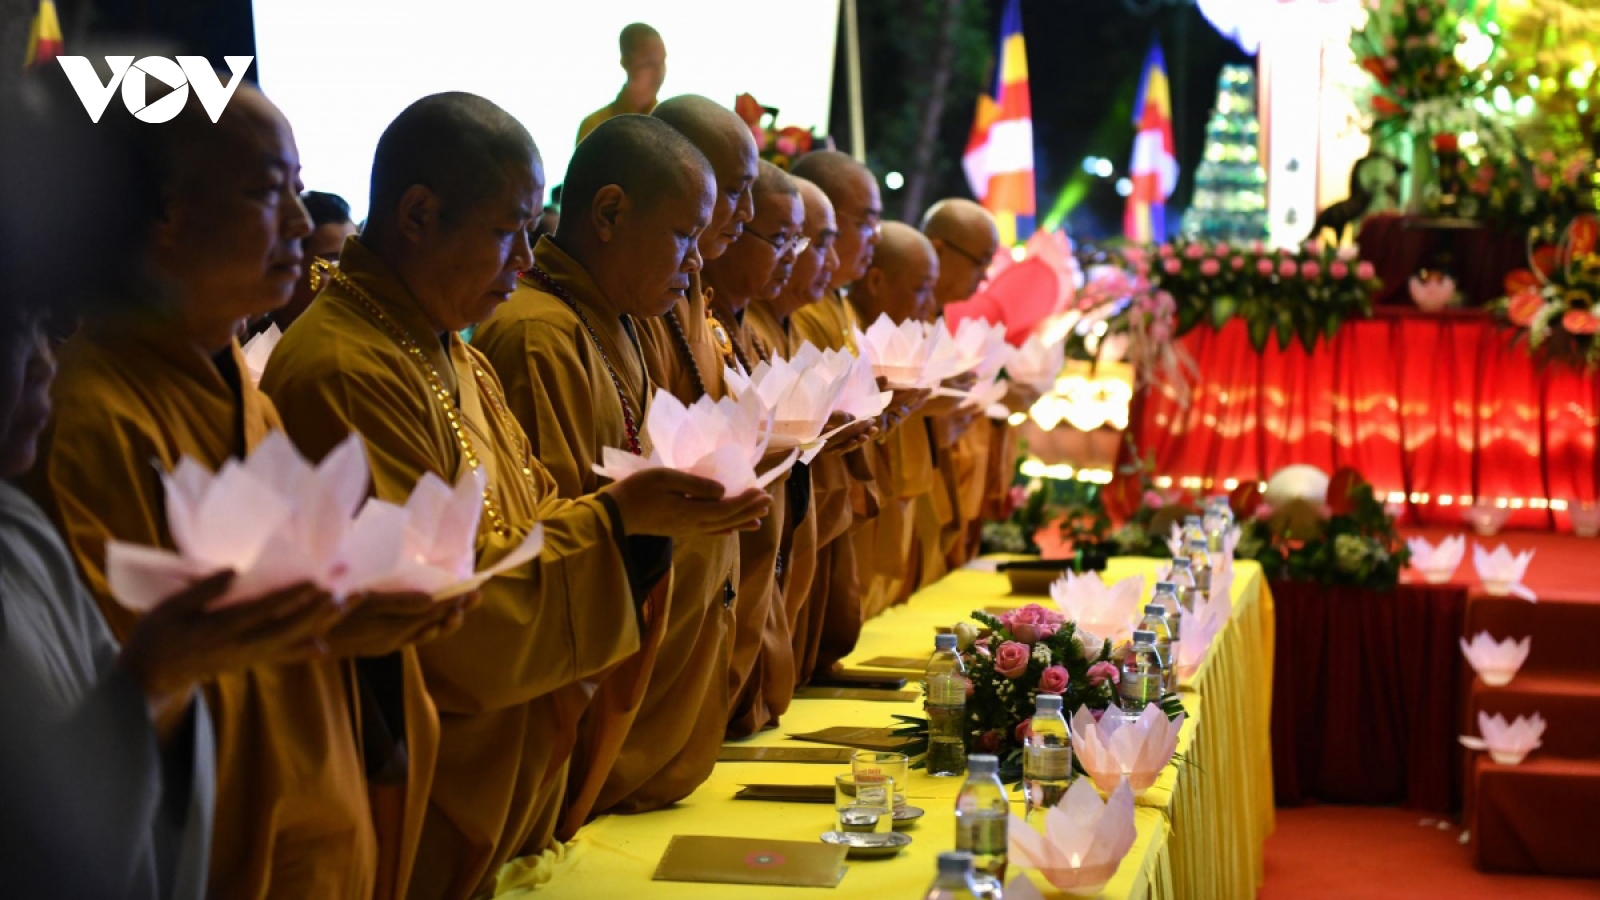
[775,181]
[633,36]
[726,141]
[901,278]
[460,146]
[646,157]
[853,191]
[964,235]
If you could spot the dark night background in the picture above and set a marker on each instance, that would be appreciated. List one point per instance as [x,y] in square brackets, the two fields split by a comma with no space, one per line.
[1084,58]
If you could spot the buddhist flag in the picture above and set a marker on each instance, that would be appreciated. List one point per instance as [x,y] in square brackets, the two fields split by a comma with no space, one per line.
[999,157]
[44,38]
[1155,167]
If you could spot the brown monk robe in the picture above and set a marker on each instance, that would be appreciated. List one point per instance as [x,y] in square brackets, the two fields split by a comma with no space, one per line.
[755,269]
[898,284]
[964,236]
[146,382]
[637,194]
[456,182]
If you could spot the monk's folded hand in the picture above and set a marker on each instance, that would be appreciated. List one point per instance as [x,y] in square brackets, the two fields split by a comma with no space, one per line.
[942,406]
[183,640]
[966,381]
[1020,397]
[669,503]
[379,623]
[858,432]
[904,402]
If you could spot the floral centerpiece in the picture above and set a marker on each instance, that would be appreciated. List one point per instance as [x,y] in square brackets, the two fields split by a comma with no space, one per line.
[1409,48]
[1304,293]
[1015,657]
[779,146]
[1518,192]
[1554,304]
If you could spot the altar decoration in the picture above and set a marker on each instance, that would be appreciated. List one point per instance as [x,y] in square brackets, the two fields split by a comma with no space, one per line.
[1113,748]
[1508,743]
[1303,294]
[1496,662]
[1437,563]
[1502,571]
[1084,841]
[779,146]
[1010,660]
[1553,306]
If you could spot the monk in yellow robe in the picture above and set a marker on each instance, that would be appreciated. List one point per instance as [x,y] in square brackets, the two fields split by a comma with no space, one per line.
[144,383]
[638,196]
[644,59]
[965,238]
[842,489]
[456,183]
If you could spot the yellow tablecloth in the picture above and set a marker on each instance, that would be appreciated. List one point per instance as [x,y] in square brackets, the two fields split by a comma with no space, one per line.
[1200,829]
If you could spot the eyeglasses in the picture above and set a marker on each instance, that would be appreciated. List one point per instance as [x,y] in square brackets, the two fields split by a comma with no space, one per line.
[795,242]
[867,223]
[974,258]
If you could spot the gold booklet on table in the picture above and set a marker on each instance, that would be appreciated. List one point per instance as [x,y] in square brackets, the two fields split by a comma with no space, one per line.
[860,738]
[735,753]
[731,860]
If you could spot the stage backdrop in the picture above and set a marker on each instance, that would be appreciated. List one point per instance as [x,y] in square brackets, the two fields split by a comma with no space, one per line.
[342,69]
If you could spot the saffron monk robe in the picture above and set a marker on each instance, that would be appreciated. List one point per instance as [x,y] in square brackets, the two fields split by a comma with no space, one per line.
[843,489]
[758,265]
[637,195]
[149,379]
[456,182]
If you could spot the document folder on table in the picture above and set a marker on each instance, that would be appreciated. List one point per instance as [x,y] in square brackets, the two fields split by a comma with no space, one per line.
[785,754]
[731,860]
[859,738]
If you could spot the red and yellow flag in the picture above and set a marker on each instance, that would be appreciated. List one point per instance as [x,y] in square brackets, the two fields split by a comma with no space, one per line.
[999,156]
[1154,170]
[44,38]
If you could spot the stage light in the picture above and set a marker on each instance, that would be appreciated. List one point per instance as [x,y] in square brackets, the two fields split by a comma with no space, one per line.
[894,181]
[1124,187]
[1091,164]
[1019,253]
[1524,106]
[1104,168]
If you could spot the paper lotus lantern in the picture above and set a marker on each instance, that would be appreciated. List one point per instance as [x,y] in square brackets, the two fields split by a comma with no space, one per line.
[1437,564]
[722,440]
[1084,839]
[1496,662]
[308,524]
[1508,744]
[908,355]
[1297,482]
[1106,612]
[1585,518]
[1434,292]
[859,397]
[980,346]
[1486,519]
[1117,748]
[800,395]
[1038,362]
[258,349]
[1502,572]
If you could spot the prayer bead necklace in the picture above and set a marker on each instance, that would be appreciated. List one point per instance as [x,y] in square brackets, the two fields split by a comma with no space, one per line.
[629,421]
[323,270]
[715,320]
[682,339]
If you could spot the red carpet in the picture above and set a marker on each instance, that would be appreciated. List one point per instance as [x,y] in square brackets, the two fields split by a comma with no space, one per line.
[1373,853]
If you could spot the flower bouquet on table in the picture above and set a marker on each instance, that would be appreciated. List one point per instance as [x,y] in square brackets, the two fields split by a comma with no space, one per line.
[1554,304]
[1348,540]
[779,146]
[1011,659]
[1303,294]
[1408,46]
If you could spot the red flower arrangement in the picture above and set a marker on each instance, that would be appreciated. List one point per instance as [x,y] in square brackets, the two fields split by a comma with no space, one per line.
[779,146]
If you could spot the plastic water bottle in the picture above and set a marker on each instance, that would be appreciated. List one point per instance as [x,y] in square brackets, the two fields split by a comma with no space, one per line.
[1047,755]
[1143,679]
[1200,565]
[1182,577]
[1155,622]
[946,706]
[1218,520]
[1193,530]
[1166,597]
[982,812]
[954,881]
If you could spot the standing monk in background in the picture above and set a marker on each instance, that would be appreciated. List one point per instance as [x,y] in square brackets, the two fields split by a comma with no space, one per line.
[644,58]
[456,181]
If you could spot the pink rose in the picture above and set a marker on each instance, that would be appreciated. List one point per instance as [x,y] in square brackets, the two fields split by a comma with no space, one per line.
[1310,269]
[1548,157]
[1264,266]
[1054,680]
[1424,14]
[1365,271]
[1287,269]
[1210,267]
[1165,250]
[1237,263]
[1194,251]
[1153,499]
[1024,730]
[989,742]
[1339,269]
[1172,266]
[1032,623]
[1391,63]
[1541,181]
[1102,671]
[1011,660]
[1222,249]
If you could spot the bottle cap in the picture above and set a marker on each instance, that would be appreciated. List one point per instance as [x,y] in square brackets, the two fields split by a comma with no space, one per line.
[1166,586]
[1047,703]
[955,862]
[1181,562]
[1144,637]
[1194,519]
[1197,543]
[983,764]
[1155,609]
[944,642]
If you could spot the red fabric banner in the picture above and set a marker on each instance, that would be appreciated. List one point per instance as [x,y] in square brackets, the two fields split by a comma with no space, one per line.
[1429,405]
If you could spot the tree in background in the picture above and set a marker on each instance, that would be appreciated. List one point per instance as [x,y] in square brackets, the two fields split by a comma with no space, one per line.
[1230,199]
